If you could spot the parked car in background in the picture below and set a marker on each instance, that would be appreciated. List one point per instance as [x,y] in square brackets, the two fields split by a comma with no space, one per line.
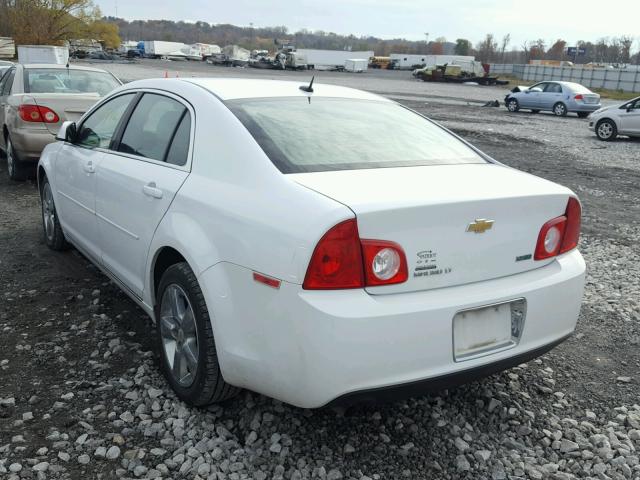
[289,240]
[34,101]
[609,122]
[557,97]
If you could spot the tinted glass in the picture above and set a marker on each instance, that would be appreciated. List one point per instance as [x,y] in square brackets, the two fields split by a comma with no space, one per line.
[8,82]
[553,88]
[180,145]
[151,126]
[346,134]
[54,80]
[98,129]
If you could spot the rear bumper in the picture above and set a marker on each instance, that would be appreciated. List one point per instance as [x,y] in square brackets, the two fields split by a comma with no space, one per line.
[582,107]
[29,143]
[309,348]
[437,384]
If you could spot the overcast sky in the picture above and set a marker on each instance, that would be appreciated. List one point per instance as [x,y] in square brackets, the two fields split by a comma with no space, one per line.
[571,20]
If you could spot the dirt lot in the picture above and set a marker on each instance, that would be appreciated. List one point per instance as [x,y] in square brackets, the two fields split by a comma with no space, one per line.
[80,396]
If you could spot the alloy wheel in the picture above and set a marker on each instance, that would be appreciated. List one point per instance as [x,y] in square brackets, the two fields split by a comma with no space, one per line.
[605,130]
[48,212]
[179,335]
[11,162]
[560,109]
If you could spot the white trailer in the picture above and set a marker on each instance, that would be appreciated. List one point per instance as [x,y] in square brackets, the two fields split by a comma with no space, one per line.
[357,65]
[7,47]
[406,61]
[323,59]
[43,54]
[158,49]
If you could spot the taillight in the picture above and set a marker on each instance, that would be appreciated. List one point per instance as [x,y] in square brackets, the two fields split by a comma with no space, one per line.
[384,263]
[341,260]
[337,260]
[37,113]
[560,234]
[578,97]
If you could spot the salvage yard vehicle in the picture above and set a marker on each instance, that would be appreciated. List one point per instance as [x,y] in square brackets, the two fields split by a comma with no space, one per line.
[34,101]
[557,97]
[287,239]
[609,122]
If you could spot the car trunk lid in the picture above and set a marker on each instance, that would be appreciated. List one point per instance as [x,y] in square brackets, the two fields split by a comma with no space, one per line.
[457,224]
[68,106]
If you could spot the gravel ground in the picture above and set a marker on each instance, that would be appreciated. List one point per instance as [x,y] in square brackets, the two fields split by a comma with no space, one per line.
[81,396]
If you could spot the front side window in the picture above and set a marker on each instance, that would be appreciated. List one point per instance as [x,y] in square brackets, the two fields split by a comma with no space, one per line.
[67,80]
[152,126]
[541,86]
[326,134]
[98,129]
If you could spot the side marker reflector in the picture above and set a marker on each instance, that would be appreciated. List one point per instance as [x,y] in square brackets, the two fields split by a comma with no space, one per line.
[268,281]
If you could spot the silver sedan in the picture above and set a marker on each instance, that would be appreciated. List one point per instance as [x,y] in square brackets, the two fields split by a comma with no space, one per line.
[557,97]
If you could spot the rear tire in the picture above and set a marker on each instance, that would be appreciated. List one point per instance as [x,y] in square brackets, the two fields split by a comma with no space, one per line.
[53,234]
[187,349]
[560,109]
[606,130]
[513,105]
[15,168]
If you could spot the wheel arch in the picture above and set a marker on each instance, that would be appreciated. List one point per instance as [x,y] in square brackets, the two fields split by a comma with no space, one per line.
[163,258]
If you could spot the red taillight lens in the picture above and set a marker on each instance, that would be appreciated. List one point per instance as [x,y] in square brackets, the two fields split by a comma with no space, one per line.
[37,113]
[579,97]
[337,260]
[560,234]
[341,260]
[384,263]
[572,230]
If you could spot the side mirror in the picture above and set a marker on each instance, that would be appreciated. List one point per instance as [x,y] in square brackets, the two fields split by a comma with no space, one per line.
[67,132]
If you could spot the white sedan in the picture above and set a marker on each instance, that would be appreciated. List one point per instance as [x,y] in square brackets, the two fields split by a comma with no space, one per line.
[609,122]
[316,245]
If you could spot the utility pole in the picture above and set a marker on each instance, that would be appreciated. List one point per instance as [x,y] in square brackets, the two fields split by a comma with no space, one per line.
[427,41]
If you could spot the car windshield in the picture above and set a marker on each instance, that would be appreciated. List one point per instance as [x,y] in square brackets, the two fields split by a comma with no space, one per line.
[326,134]
[63,80]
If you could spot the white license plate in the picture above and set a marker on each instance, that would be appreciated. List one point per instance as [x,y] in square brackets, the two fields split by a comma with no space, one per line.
[484,330]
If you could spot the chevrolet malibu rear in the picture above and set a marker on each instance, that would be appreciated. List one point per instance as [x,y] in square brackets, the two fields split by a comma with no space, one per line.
[339,247]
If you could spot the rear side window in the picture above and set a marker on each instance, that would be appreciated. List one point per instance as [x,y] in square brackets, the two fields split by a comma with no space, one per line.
[324,134]
[98,129]
[553,88]
[8,82]
[152,126]
[179,149]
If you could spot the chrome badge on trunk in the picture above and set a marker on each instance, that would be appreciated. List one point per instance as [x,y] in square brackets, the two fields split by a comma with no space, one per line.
[480,225]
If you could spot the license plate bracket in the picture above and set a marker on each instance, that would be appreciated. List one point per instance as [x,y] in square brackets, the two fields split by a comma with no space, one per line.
[488,329]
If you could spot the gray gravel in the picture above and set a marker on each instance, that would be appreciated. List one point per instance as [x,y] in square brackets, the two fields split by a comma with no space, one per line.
[81,395]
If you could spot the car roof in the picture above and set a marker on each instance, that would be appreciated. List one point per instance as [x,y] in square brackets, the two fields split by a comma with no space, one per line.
[236,88]
[59,66]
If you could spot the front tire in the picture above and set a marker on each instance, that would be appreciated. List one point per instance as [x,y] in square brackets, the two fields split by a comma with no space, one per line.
[15,168]
[560,109]
[513,105]
[606,130]
[186,345]
[53,234]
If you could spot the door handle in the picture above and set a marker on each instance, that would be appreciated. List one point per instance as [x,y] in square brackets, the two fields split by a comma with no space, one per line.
[151,190]
[89,168]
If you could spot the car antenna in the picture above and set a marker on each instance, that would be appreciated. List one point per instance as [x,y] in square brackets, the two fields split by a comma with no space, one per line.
[309,88]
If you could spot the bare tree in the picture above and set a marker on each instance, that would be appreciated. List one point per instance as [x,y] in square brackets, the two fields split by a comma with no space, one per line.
[505,43]
[626,42]
[487,48]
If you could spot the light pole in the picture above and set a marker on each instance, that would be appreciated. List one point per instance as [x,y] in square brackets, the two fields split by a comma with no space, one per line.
[427,42]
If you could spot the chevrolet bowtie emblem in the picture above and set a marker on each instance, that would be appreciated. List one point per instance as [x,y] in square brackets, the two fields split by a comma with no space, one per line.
[480,225]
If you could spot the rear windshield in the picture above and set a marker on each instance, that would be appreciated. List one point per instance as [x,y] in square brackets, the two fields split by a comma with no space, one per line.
[53,80]
[326,134]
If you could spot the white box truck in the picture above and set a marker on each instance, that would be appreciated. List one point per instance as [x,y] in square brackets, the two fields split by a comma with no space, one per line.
[43,54]
[331,59]
[357,65]
[160,49]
